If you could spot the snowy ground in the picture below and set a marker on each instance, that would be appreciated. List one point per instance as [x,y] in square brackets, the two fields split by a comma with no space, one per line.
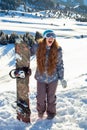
[72,101]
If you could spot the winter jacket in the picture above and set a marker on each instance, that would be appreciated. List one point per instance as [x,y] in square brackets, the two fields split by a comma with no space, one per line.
[59,70]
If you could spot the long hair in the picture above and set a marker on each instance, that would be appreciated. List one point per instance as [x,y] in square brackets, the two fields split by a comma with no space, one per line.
[52,58]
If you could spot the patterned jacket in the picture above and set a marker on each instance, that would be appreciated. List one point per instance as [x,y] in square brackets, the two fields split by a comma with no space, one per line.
[59,70]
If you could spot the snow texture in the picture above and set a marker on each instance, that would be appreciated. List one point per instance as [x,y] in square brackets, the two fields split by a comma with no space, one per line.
[72,101]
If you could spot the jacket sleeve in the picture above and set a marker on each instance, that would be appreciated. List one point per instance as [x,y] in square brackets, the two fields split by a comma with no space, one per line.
[33,49]
[60,65]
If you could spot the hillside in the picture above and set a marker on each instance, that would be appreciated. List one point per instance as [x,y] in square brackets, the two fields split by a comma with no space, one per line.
[72,101]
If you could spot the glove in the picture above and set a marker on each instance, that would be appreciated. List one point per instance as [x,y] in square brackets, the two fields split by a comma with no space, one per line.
[63,83]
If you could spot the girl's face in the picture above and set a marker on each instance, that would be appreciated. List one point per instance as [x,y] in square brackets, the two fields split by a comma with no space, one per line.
[49,41]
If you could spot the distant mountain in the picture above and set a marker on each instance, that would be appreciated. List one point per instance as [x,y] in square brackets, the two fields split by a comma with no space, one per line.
[76,5]
[38,5]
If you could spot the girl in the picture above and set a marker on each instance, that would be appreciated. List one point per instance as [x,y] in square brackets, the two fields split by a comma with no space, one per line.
[49,70]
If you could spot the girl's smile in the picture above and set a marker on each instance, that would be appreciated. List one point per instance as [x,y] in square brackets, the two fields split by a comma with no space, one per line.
[49,41]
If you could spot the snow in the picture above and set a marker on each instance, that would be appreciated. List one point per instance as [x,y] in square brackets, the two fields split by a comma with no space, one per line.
[72,101]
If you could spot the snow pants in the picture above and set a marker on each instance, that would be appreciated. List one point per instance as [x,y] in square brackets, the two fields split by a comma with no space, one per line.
[46,98]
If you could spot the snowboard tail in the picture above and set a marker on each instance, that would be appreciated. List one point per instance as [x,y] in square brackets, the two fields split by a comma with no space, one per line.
[23,111]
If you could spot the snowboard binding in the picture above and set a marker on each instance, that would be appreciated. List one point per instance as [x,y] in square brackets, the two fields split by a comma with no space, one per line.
[20,72]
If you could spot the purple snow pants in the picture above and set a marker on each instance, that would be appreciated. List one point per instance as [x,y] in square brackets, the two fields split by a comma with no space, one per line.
[46,98]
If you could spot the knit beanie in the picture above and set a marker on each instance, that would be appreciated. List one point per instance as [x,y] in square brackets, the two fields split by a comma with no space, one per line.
[47,32]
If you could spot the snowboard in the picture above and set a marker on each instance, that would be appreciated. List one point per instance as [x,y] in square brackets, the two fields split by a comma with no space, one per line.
[22,73]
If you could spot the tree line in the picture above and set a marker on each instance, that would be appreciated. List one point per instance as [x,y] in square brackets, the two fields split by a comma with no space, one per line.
[13,4]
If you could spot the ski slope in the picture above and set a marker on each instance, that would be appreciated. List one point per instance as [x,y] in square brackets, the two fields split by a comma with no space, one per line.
[72,101]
